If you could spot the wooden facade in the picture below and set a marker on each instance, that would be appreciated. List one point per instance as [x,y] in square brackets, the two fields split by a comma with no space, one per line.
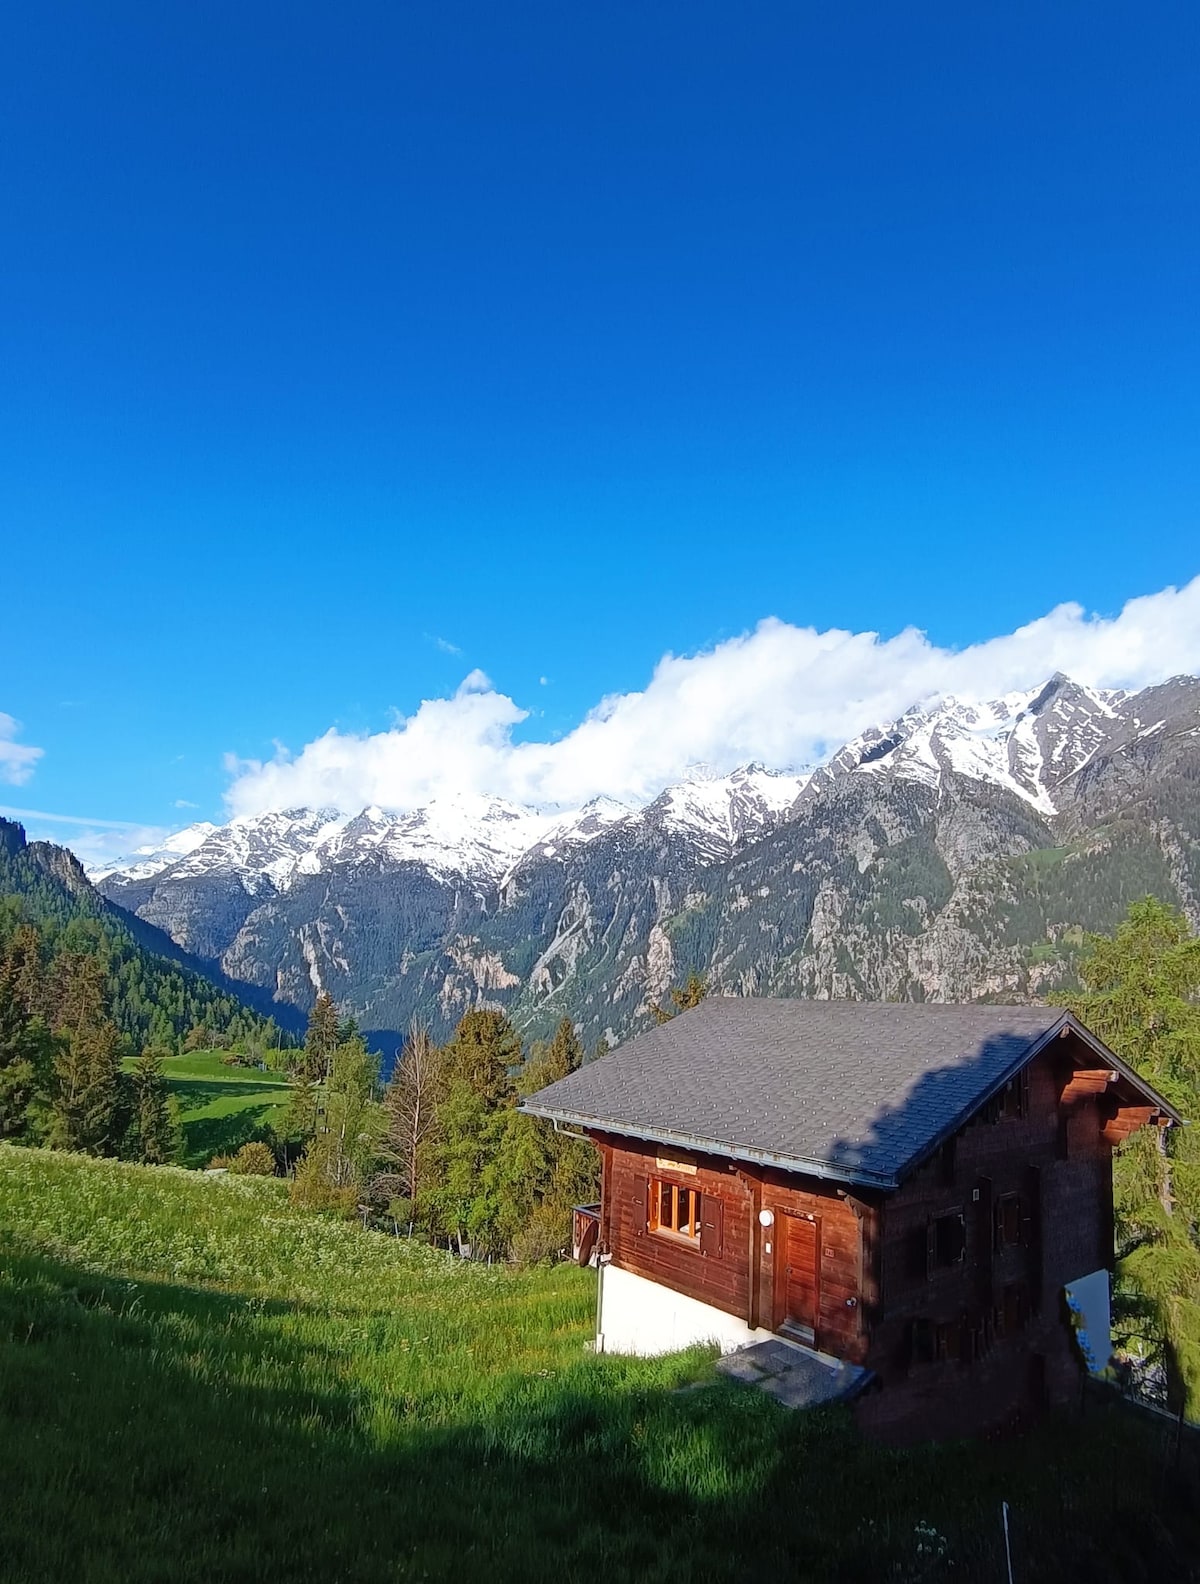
[949,1288]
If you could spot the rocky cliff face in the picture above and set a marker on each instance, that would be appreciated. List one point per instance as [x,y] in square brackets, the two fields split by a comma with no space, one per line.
[953,854]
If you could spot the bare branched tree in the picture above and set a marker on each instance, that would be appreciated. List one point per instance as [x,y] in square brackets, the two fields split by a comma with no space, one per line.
[410,1102]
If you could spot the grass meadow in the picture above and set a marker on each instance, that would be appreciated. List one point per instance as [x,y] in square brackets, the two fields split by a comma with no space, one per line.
[199,1383]
[221,1107]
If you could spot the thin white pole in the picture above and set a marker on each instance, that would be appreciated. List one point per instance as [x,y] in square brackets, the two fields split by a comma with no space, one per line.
[1007,1546]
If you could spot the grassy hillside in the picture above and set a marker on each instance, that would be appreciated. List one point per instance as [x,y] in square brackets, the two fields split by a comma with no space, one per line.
[221,1107]
[199,1383]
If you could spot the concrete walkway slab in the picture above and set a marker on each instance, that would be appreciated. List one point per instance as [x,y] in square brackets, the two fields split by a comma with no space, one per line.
[796,1376]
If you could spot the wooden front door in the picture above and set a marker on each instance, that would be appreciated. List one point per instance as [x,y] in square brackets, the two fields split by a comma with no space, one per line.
[802,1273]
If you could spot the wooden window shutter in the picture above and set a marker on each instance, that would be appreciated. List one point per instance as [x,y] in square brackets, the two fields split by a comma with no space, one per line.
[930,1247]
[983,1240]
[712,1227]
[641,1206]
[1031,1232]
[1023,1091]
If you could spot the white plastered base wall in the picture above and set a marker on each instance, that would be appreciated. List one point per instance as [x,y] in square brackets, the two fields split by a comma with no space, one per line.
[640,1316]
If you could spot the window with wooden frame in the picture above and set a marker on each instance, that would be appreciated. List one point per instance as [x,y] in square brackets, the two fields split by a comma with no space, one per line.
[1012,1311]
[1008,1223]
[947,1239]
[675,1210]
[686,1215]
[949,1341]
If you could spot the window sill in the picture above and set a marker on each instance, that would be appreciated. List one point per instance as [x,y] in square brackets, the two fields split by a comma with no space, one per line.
[679,1238]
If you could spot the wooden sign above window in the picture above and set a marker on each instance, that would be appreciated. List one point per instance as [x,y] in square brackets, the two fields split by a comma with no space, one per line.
[673,1163]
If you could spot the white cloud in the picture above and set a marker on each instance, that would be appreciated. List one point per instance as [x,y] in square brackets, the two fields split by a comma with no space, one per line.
[781,694]
[17,760]
[185,803]
[95,842]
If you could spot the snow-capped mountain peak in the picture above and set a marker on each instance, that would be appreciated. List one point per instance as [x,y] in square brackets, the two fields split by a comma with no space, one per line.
[1026,742]
[720,813]
[145,862]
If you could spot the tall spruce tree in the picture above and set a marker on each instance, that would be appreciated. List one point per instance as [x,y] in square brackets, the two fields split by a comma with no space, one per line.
[154,1136]
[1139,995]
[321,1038]
[88,1109]
[26,1054]
[471,1194]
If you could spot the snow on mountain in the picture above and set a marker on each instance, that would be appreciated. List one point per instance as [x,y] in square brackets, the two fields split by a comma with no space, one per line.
[1025,742]
[1028,742]
[145,862]
[720,813]
[258,847]
[470,836]
[575,829]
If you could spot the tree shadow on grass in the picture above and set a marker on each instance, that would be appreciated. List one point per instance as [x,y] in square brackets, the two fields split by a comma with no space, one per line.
[194,1094]
[151,1431]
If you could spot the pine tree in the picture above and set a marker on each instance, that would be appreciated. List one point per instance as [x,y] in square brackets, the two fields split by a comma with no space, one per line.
[300,1118]
[89,1102]
[321,1038]
[25,967]
[683,999]
[473,1195]
[1139,996]
[88,1111]
[25,1055]
[154,1135]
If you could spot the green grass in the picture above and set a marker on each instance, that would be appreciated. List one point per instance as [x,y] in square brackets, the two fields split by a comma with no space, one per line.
[198,1383]
[221,1107]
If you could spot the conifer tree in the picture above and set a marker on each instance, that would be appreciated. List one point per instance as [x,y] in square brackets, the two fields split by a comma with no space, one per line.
[1139,996]
[300,1118]
[25,1056]
[473,1197]
[87,1110]
[25,968]
[154,1134]
[683,998]
[321,1038]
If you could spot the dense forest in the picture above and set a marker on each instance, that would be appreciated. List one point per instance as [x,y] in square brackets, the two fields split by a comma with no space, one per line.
[155,994]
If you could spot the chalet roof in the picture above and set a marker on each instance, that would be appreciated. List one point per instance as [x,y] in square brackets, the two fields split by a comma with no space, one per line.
[857,1091]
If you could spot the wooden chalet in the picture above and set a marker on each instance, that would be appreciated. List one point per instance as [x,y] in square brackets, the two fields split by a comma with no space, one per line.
[907,1188]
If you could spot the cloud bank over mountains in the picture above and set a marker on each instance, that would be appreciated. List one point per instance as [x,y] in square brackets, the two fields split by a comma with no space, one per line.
[783,695]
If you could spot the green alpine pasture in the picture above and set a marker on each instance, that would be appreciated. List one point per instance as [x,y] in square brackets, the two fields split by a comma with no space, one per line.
[220,1107]
[199,1382]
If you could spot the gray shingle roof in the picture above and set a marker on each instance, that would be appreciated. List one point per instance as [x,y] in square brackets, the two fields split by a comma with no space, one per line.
[858,1091]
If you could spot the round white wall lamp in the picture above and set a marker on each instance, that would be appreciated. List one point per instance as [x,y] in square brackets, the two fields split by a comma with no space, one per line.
[766,1218]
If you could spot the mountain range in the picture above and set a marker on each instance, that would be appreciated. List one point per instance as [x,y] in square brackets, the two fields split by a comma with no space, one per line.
[957,852]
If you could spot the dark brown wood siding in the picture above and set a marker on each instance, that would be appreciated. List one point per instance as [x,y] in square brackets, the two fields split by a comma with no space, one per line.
[713,1268]
[1004,1294]
[738,1265]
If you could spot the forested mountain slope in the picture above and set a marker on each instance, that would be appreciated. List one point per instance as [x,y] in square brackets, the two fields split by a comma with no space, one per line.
[155,991]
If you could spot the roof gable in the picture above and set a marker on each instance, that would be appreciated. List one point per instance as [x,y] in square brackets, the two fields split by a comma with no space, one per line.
[856,1091]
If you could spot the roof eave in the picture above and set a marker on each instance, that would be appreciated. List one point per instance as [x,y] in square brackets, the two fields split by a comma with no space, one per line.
[861,1177]
[1111,1059]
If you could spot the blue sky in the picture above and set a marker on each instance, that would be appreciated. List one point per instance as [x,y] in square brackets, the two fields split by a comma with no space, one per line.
[345,354]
